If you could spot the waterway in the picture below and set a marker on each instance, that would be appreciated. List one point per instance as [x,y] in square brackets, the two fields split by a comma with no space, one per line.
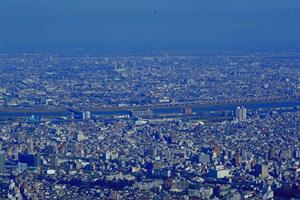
[197,109]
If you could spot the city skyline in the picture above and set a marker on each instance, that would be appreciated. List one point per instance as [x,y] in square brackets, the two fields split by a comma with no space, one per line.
[149,99]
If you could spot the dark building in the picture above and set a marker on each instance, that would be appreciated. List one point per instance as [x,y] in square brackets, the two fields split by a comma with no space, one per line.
[2,161]
[30,159]
[187,111]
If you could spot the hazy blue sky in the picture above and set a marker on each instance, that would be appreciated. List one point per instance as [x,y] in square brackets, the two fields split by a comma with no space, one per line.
[78,23]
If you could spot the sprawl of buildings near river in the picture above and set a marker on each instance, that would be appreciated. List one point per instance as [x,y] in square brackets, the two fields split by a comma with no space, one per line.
[255,155]
[37,80]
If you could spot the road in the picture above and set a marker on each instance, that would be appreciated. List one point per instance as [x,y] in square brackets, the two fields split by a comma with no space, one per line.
[66,111]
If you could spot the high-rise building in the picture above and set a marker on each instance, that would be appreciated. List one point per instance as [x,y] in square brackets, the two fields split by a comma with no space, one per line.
[50,149]
[53,162]
[86,115]
[217,151]
[272,153]
[30,146]
[237,158]
[2,161]
[114,195]
[187,111]
[241,113]
[261,170]
[20,138]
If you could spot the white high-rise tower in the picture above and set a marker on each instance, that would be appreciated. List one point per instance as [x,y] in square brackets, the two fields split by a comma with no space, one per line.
[241,113]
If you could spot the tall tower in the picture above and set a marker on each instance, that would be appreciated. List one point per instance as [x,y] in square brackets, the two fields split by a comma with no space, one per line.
[115,66]
[2,161]
[86,115]
[237,158]
[53,162]
[241,113]
[30,146]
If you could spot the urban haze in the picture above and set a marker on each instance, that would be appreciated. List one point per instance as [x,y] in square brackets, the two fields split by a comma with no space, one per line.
[149,99]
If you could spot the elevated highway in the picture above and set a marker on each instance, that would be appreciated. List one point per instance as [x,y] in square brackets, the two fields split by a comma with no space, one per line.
[47,111]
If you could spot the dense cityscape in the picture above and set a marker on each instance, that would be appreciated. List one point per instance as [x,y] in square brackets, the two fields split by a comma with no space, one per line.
[53,80]
[84,126]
